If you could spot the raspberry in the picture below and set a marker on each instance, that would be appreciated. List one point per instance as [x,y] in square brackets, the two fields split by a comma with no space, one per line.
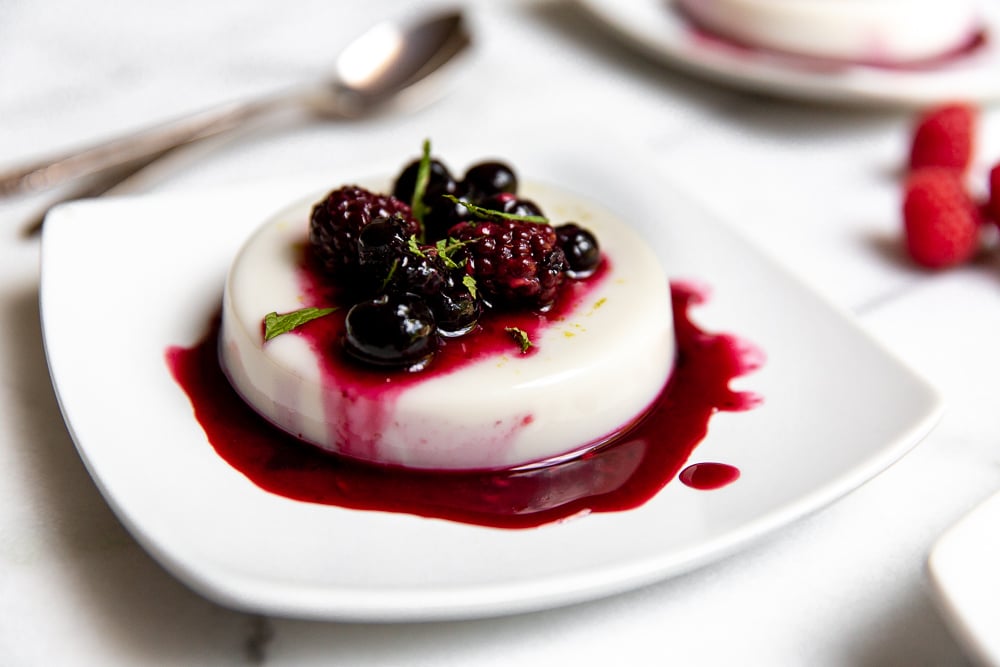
[941,220]
[337,221]
[944,137]
[994,203]
[516,264]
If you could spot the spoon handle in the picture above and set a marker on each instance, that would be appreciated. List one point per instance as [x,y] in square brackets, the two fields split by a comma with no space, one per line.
[52,171]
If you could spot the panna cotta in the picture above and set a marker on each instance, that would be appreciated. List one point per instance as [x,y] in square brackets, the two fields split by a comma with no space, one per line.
[884,32]
[572,377]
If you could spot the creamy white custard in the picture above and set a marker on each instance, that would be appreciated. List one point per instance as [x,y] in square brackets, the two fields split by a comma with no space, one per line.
[870,31]
[590,373]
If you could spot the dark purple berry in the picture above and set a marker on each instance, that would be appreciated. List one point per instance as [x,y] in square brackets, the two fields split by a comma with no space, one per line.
[381,245]
[506,202]
[516,264]
[337,221]
[487,179]
[381,241]
[581,249]
[424,274]
[442,214]
[439,181]
[393,331]
[456,311]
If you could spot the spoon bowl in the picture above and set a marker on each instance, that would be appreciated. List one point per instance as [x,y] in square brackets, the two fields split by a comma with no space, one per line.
[388,60]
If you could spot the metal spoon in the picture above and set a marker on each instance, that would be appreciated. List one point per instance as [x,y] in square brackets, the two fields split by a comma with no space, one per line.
[371,72]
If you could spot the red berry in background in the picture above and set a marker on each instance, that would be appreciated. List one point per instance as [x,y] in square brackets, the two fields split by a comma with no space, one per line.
[945,137]
[994,202]
[940,218]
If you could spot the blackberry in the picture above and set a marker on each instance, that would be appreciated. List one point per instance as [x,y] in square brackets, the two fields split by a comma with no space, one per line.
[393,331]
[581,249]
[516,264]
[487,179]
[337,221]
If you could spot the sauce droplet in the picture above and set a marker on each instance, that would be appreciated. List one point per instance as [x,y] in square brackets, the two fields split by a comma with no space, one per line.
[708,476]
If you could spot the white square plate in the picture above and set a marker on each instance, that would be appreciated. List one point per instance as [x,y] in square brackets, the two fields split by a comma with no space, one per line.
[963,568]
[124,279]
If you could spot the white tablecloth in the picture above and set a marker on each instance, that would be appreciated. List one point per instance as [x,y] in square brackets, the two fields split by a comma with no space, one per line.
[816,187]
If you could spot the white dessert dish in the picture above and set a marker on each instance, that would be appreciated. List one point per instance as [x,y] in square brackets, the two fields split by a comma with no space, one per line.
[837,410]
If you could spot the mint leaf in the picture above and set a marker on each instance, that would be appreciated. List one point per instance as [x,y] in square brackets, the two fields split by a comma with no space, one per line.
[470,284]
[520,337]
[412,246]
[420,187]
[446,248]
[490,214]
[388,277]
[275,324]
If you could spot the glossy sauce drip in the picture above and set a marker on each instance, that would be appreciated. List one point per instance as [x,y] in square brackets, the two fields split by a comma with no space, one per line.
[709,475]
[622,474]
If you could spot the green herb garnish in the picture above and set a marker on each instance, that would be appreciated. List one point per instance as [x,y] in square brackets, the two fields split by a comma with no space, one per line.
[412,246]
[520,337]
[417,205]
[275,324]
[490,214]
[447,248]
[470,284]
[388,276]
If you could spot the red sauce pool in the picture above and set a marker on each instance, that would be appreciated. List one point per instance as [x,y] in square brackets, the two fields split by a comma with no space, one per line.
[622,474]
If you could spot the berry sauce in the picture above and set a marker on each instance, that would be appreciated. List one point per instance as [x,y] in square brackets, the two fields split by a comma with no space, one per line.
[622,474]
[709,475]
[490,338]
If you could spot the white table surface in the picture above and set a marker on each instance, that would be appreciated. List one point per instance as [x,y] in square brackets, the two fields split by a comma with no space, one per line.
[817,188]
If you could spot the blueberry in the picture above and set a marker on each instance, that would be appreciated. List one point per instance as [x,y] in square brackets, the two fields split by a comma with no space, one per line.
[420,274]
[487,179]
[380,244]
[580,247]
[393,331]
[439,181]
[381,241]
[456,311]
[506,202]
[442,213]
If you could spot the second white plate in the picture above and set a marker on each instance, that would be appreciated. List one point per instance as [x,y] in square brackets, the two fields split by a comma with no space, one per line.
[658,28]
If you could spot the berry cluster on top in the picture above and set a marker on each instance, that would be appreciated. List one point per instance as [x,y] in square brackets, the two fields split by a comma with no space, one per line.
[429,260]
[943,221]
